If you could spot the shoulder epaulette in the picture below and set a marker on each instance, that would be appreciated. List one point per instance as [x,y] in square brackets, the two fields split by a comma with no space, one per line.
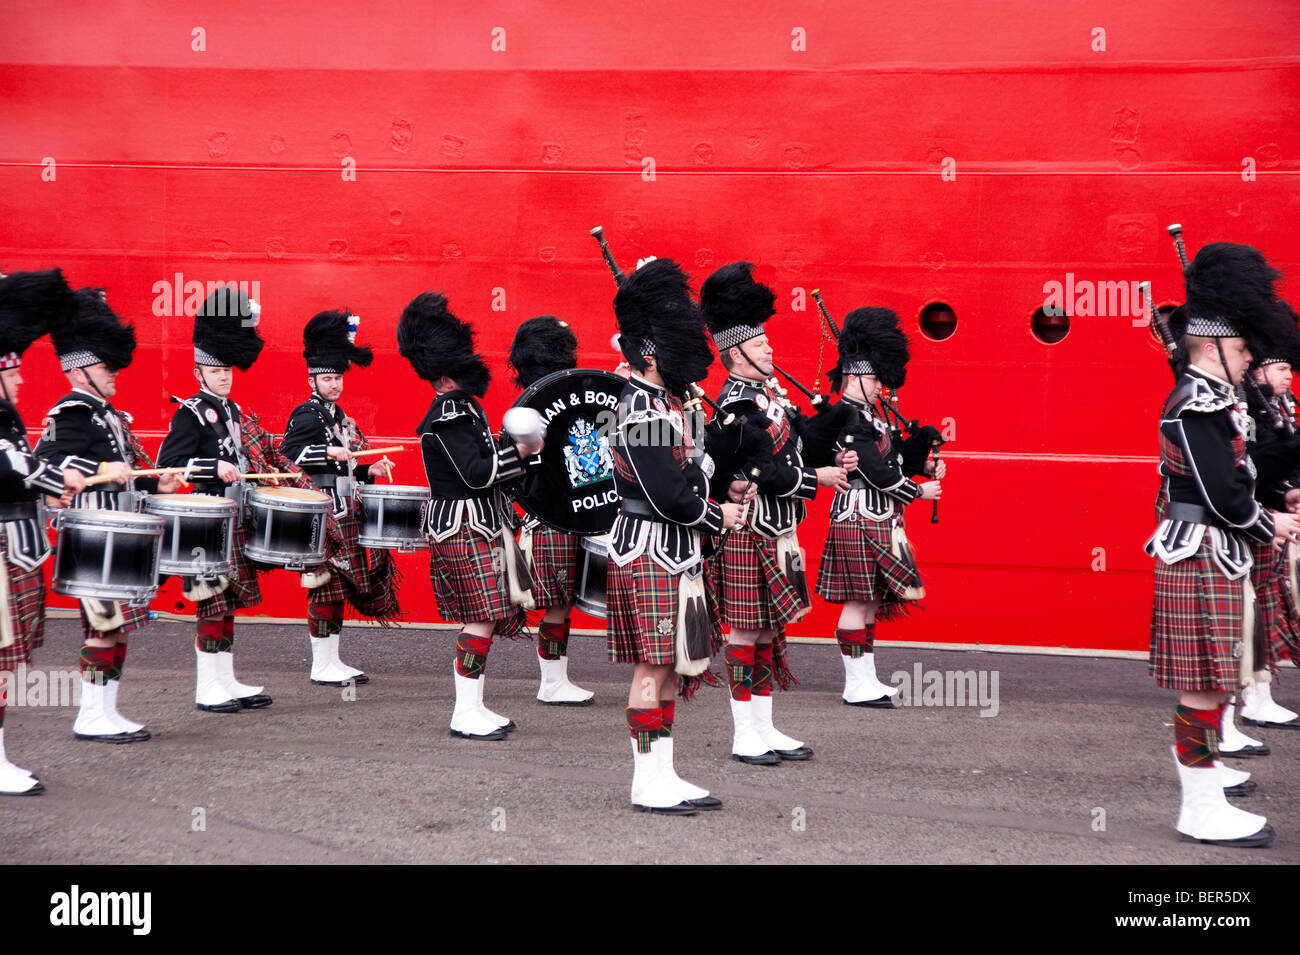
[1196,395]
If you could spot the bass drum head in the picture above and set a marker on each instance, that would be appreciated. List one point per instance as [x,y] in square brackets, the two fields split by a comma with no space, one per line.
[572,489]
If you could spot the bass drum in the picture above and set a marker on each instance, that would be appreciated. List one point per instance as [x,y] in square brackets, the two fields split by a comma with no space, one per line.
[572,487]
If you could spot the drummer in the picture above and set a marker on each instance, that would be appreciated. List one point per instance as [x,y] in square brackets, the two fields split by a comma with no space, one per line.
[321,440]
[26,301]
[217,442]
[543,346]
[469,523]
[84,432]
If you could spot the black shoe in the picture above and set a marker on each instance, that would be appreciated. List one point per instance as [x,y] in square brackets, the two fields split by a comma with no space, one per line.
[1258,840]
[803,752]
[681,809]
[885,702]
[766,759]
[567,702]
[255,702]
[1241,789]
[706,802]
[106,737]
[1261,750]
[494,735]
[230,706]
[140,735]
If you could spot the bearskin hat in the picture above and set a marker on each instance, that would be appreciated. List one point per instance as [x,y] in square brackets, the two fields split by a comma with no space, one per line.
[657,316]
[872,343]
[438,344]
[31,303]
[1285,338]
[93,333]
[329,343]
[542,346]
[225,330]
[735,306]
[1230,294]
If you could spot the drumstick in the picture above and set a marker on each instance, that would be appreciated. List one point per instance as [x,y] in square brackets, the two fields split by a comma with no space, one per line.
[143,472]
[369,451]
[269,476]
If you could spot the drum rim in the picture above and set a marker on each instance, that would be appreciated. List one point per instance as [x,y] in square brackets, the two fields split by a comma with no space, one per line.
[91,517]
[412,492]
[268,494]
[179,504]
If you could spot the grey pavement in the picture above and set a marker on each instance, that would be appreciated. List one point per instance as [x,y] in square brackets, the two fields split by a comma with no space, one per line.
[1076,743]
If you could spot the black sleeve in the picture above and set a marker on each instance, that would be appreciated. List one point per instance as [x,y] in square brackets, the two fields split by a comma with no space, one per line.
[1226,489]
[460,441]
[184,447]
[662,480]
[72,440]
[882,470]
[306,442]
[17,465]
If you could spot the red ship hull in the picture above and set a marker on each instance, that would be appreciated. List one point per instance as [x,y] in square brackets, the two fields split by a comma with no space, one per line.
[901,156]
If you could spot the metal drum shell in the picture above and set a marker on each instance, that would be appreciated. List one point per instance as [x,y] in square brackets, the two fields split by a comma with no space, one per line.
[593,574]
[373,518]
[286,526]
[214,516]
[124,546]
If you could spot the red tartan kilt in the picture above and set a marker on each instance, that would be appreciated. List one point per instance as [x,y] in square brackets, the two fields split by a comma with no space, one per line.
[243,591]
[346,548]
[857,564]
[134,617]
[641,602]
[468,576]
[753,592]
[1196,625]
[26,610]
[555,567]
[1277,611]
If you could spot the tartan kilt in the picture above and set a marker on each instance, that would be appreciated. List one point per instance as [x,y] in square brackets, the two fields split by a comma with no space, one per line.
[26,610]
[641,603]
[1277,611]
[858,564]
[370,573]
[134,618]
[469,579]
[1196,621]
[753,592]
[243,591]
[555,567]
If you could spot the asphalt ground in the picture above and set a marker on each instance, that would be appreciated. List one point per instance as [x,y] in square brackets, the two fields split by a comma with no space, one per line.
[1074,767]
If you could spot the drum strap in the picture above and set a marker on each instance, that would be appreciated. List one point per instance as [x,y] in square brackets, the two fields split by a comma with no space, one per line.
[119,437]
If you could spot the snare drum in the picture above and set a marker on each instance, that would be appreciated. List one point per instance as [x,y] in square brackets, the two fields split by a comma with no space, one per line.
[287,526]
[109,555]
[593,571]
[198,535]
[392,517]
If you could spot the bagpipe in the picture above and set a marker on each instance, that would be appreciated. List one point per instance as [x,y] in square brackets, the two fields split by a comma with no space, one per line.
[915,440]
[736,445]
